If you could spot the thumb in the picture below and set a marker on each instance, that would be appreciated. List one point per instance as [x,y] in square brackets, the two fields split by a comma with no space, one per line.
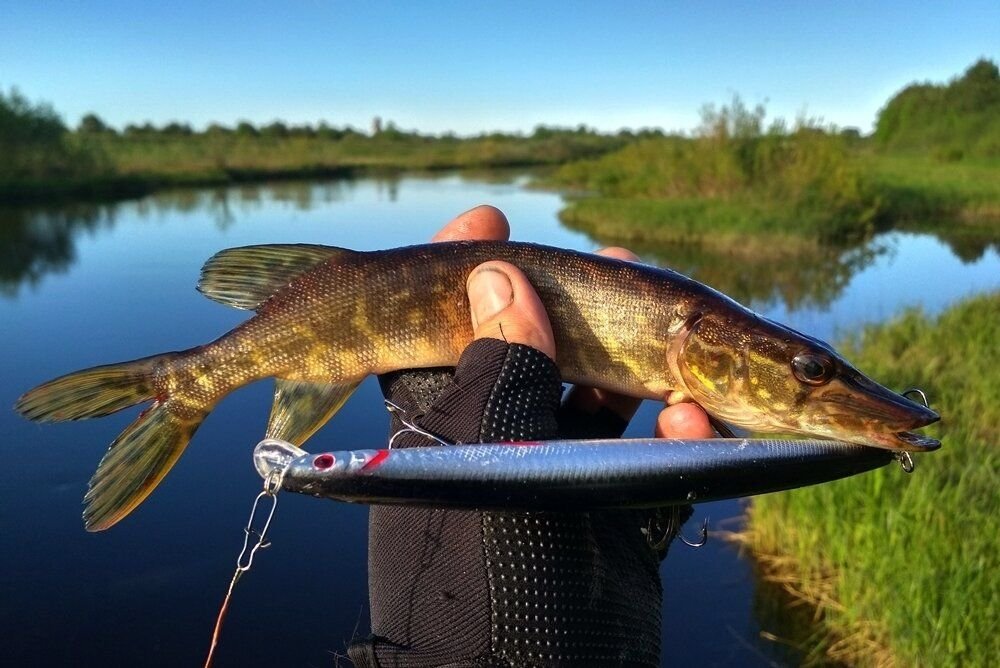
[505,306]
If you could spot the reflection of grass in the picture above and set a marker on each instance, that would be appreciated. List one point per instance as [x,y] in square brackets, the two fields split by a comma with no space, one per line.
[906,569]
[751,268]
[719,223]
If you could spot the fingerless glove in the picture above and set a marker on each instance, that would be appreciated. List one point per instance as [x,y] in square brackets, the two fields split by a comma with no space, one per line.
[469,588]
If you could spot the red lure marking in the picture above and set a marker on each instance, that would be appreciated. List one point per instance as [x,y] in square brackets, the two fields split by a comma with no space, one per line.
[521,443]
[376,461]
[324,462]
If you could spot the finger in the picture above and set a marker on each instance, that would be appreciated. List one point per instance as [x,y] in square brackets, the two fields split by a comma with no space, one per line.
[618,253]
[505,306]
[685,420]
[592,399]
[480,223]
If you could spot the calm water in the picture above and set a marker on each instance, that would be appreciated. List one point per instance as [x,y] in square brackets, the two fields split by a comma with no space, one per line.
[92,284]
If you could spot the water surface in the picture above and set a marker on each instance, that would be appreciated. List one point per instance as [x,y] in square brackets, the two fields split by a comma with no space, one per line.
[91,284]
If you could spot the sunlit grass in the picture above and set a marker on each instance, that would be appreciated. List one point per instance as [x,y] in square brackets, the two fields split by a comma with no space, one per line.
[905,570]
[915,190]
[221,154]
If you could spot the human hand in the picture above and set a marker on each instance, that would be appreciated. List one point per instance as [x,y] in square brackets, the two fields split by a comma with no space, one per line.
[432,570]
[500,294]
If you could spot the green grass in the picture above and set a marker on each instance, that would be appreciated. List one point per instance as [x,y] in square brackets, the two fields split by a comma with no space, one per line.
[918,190]
[905,570]
[890,192]
[107,163]
[931,168]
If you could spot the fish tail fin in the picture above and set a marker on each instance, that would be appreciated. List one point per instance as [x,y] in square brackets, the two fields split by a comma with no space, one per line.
[137,461]
[143,453]
[93,392]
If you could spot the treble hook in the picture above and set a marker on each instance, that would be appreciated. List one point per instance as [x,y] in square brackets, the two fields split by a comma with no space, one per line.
[920,393]
[906,462]
[409,425]
[666,524]
[702,539]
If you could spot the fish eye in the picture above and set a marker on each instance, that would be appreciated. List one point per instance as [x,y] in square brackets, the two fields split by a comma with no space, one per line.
[812,369]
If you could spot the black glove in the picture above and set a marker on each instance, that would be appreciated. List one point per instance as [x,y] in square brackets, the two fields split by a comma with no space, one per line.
[468,588]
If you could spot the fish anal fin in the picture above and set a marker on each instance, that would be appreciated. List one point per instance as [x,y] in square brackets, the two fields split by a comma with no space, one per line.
[300,408]
[246,277]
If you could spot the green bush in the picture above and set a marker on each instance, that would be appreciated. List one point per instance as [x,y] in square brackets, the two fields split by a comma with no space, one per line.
[805,174]
[955,121]
[32,140]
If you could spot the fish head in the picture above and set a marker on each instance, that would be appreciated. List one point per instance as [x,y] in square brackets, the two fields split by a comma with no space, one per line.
[763,376]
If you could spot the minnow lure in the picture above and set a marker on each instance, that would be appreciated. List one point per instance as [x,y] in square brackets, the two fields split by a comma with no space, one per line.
[565,475]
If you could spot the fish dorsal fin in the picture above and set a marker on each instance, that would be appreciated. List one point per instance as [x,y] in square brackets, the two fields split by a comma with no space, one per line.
[246,277]
[300,408]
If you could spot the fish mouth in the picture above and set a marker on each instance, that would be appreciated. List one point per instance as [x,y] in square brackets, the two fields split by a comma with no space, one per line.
[918,441]
[902,440]
[890,417]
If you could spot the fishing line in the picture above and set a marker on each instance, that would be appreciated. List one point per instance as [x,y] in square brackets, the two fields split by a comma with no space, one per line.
[245,559]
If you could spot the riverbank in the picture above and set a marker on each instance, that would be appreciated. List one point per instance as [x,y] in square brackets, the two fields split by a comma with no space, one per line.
[882,193]
[107,165]
[903,570]
[927,168]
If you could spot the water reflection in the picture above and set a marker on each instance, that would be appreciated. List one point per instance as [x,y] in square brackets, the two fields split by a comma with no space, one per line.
[37,241]
[969,247]
[789,625]
[130,294]
[795,274]
[34,243]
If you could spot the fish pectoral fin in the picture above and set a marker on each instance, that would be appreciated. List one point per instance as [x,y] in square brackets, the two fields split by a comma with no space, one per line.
[300,408]
[246,277]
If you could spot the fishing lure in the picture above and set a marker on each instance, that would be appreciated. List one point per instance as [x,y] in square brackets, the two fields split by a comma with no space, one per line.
[565,474]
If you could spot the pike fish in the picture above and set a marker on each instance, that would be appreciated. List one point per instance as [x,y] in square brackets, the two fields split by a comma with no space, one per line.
[325,318]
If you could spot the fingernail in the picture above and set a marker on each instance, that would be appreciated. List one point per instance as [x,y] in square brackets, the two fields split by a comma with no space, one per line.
[490,292]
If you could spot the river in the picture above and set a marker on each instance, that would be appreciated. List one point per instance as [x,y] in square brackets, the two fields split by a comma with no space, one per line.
[89,284]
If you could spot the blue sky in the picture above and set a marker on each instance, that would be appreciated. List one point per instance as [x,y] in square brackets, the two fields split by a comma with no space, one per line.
[470,67]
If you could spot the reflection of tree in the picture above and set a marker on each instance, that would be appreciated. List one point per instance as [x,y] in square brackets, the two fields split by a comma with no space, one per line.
[795,272]
[969,246]
[35,242]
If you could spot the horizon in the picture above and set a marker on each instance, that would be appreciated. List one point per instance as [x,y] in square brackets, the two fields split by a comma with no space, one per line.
[448,68]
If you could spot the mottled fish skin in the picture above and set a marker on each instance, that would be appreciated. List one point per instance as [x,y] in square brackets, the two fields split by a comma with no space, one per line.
[326,318]
[407,308]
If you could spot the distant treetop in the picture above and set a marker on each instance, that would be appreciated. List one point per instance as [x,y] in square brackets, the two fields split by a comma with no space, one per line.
[952,121]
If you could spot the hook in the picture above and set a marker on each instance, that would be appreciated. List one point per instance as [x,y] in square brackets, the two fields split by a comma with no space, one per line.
[409,425]
[905,460]
[665,525]
[920,393]
[702,536]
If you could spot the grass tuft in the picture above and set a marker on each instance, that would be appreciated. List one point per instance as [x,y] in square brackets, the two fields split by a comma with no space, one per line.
[904,570]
